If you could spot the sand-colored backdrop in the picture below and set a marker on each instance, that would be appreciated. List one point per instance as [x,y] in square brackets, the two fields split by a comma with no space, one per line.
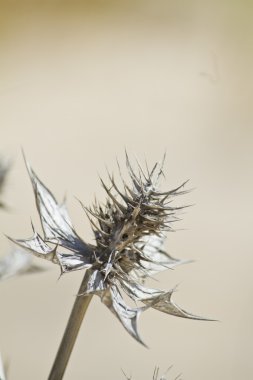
[79,82]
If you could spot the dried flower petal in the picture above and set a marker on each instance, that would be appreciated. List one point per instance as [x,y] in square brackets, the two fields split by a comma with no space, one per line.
[54,218]
[155,259]
[67,261]
[156,299]
[95,284]
[38,247]
[70,262]
[126,315]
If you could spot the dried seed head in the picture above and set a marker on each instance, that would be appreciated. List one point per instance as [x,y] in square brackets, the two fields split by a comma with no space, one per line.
[130,228]
[129,233]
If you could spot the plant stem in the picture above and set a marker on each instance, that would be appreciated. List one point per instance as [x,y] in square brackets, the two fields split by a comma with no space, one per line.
[74,323]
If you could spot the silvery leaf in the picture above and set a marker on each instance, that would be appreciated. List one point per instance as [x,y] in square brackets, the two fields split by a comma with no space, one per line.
[15,263]
[157,259]
[96,283]
[126,315]
[137,291]
[156,299]
[70,262]
[38,247]
[67,261]
[165,304]
[54,218]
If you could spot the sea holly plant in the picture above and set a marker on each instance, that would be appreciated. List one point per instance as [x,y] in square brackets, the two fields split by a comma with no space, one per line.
[129,235]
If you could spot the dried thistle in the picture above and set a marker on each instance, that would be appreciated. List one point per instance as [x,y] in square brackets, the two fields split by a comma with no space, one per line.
[129,234]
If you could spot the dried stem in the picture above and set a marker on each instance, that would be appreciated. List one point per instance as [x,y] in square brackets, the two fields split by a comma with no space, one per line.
[74,323]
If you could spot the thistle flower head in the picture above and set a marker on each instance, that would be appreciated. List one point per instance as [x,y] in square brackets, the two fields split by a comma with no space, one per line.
[129,236]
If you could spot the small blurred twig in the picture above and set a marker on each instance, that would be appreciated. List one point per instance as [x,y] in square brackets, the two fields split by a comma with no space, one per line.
[156,375]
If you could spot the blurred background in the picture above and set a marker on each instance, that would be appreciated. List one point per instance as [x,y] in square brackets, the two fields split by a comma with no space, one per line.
[79,82]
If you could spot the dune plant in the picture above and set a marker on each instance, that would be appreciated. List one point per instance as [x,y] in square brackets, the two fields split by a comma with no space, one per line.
[129,231]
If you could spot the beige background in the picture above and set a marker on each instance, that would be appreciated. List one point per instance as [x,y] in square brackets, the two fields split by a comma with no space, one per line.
[79,82]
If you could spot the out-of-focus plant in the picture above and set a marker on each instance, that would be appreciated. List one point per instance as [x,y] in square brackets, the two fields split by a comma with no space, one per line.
[129,233]
[4,168]
[17,261]
[2,370]
[156,375]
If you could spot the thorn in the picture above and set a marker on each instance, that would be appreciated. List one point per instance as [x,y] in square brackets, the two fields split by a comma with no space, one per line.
[109,224]
[173,191]
[120,207]
[141,170]
[132,174]
[95,226]
[101,244]
[124,197]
